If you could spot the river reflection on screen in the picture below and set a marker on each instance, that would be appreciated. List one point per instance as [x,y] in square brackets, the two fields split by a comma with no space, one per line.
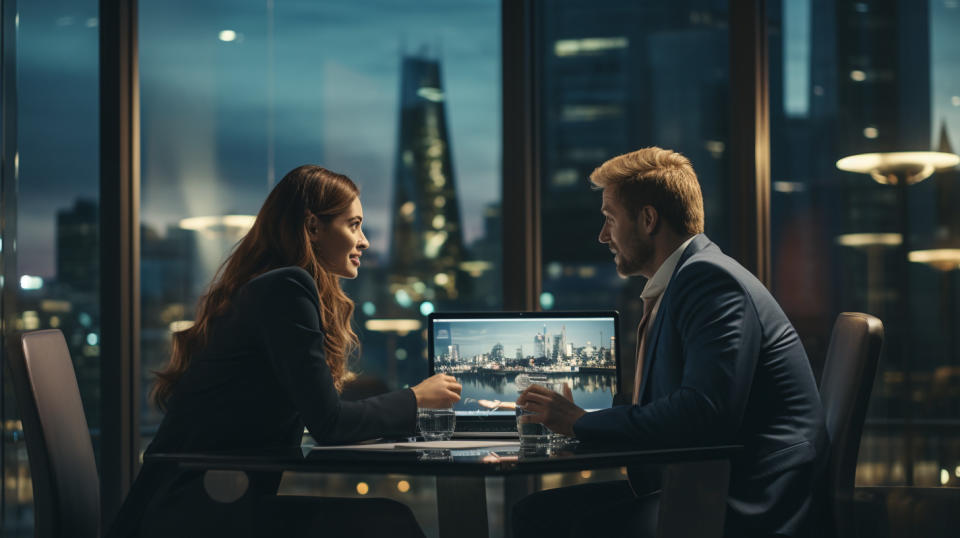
[488,355]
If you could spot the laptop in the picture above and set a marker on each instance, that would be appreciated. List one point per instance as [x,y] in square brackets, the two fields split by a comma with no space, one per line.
[494,354]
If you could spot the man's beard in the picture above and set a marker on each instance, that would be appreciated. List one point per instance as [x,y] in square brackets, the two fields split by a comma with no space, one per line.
[640,253]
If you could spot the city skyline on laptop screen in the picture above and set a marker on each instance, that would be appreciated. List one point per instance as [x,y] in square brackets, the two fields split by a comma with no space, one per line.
[493,358]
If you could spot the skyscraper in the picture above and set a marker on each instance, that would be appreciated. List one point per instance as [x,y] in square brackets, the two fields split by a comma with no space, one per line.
[427,242]
[78,246]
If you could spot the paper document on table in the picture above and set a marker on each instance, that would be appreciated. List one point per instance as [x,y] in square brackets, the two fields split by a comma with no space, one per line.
[453,445]
[365,446]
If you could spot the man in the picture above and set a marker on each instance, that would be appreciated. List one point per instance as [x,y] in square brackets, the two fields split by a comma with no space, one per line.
[718,362]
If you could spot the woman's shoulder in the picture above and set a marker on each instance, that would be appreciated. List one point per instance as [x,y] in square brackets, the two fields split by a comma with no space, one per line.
[283,281]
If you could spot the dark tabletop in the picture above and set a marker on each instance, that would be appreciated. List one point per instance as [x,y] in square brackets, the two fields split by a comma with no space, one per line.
[492,461]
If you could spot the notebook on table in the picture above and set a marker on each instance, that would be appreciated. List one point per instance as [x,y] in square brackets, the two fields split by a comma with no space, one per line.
[494,354]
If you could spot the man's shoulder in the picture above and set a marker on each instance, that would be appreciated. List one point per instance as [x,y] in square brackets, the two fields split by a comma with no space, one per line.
[710,262]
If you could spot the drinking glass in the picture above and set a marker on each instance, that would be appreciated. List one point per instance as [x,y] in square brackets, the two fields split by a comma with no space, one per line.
[532,433]
[436,424]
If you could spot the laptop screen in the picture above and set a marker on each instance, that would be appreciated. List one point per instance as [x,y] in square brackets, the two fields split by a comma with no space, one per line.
[495,355]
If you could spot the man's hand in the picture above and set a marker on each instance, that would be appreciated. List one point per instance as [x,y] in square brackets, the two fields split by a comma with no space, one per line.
[550,409]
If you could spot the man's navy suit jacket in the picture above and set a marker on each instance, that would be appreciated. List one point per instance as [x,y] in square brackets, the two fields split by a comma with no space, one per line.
[723,364]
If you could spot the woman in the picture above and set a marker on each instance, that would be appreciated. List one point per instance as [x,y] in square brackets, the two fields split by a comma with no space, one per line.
[267,355]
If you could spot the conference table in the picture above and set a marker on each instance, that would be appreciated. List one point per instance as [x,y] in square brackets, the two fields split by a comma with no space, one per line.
[693,480]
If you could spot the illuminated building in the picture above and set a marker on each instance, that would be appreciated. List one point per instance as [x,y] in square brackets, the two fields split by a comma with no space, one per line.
[427,241]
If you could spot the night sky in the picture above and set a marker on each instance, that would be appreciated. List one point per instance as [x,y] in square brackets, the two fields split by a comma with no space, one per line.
[329,79]
[323,90]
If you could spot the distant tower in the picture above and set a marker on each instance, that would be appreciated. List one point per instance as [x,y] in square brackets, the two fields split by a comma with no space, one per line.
[78,261]
[496,354]
[948,218]
[563,341]
[427,243]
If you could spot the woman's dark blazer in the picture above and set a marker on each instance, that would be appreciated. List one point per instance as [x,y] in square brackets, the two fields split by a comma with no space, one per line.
[261,377]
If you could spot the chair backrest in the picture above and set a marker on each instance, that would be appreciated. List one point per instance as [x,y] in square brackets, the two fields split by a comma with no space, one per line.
[66,489]
[845,387]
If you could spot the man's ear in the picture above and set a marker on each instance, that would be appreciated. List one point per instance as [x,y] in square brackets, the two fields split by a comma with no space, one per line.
[649,219]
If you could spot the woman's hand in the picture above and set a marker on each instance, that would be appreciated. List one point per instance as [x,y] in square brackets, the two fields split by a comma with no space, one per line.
[441,391]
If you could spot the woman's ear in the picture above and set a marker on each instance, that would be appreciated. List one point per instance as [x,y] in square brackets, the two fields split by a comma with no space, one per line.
[313,226]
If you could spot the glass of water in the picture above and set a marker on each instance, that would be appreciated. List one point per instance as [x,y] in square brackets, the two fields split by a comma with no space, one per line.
[436,424]
[532,433]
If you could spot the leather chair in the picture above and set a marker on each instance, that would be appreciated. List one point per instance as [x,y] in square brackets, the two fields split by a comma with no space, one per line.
[845,386]
[66,489]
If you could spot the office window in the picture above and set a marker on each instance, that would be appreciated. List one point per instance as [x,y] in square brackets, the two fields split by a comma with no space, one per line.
[849,78]
[403,97]
[56,246]
[616,76]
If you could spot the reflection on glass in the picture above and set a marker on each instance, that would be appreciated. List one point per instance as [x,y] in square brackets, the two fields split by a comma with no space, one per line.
[57,242]
[618,76]
[880,87]
[402,97]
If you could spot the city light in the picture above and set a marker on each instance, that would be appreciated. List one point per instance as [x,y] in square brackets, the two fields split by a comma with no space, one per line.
[857,75]
[29,282]
[546,300]
[870,132]
[588,45]
[363,488]
[31,321]
[400,354]
[944,477]
[403,486]
[369,308]
[92,339]
[55,305]
[426,308]
[586,474]
[227,36]
[403,298]
[475,267]
[869,239]
[431,94]
[789,186]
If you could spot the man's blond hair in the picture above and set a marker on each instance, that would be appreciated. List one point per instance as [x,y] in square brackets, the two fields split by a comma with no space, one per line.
[657,177]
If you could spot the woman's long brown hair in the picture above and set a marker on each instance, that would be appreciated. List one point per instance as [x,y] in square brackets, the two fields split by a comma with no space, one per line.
[278,238]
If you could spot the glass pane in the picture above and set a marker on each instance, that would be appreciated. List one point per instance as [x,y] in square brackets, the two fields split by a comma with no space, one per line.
[57,236]
[403,97]
[617,76]
[850,78]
